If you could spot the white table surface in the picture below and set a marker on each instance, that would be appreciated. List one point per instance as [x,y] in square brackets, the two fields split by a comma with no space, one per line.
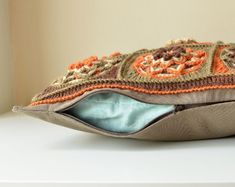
[40,153]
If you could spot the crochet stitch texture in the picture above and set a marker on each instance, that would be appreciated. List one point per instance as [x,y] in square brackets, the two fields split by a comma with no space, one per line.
[180,67]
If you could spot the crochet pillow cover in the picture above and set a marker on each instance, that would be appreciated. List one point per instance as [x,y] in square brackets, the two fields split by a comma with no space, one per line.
[182,91]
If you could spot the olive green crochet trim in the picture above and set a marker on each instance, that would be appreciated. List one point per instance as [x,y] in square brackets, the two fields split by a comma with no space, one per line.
[209,81]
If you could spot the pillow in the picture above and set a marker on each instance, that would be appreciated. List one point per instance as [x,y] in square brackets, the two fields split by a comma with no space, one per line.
[182,91]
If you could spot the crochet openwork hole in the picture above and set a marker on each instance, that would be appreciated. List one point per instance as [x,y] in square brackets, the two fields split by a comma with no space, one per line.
[169,62]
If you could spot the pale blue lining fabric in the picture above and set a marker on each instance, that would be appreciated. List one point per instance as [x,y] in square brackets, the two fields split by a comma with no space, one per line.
[117,113]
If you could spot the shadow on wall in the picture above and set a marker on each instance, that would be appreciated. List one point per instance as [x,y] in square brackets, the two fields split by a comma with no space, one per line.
[5,62]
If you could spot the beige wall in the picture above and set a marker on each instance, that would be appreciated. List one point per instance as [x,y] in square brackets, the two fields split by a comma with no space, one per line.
[49,34]
[5,63]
